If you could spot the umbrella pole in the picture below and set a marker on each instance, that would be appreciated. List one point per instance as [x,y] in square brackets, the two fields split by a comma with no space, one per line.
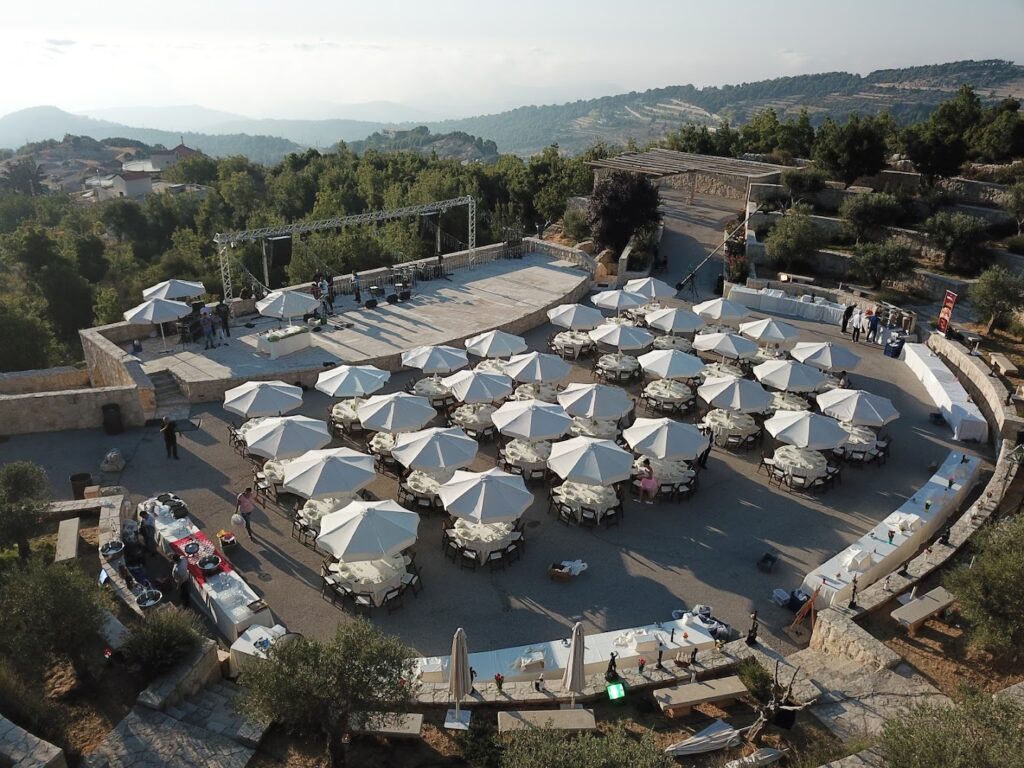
[163,339]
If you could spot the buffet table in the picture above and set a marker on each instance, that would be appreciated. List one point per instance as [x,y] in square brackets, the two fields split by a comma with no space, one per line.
[284,341]
[252,644]
[947,393]
[776,302]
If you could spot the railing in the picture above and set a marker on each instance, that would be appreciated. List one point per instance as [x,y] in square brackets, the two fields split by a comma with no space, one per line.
[573,255]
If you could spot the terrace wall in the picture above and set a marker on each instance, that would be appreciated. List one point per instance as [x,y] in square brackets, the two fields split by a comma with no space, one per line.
[47,380]
[20,748]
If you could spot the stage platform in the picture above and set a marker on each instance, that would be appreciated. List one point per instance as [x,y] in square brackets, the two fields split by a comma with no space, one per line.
[513,295]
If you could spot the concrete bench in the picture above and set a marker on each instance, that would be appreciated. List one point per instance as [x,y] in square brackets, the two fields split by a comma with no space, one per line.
[113,631]
[393,726]
[67,540]
[915,613]
[789,277]
[1002,364]
[679,700]
[569,720]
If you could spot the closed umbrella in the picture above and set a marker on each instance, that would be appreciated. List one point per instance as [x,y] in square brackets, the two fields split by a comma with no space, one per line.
[531,420]
[624,337]
[537,368]
[397,412]
[496,344]
[855,406]
[493,496]
[435,359]
[262,398]
[576,317]
[352,380]
[734,394]
[769,330]
[367,530]
[825,355]
[618,300]
[789,376]
[284,437]
[650,287]
[287,304]
[330,472]
[435,448]
[573,679]
[157,312]
[721,310]
[806,430]
[674,320]
[595,401]
[478,386]
[665,438]
[671,364]
[460,681]
[174,289]
[728,345]
[588,460]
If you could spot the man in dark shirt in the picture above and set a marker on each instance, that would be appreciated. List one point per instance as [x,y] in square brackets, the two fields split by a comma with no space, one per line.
[170,433]
[224,315]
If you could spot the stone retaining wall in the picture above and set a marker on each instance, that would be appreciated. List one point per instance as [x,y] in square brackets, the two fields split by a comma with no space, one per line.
[188,678]
[837,634]
[20,749]
[715,184]
[47,380]
[70,409]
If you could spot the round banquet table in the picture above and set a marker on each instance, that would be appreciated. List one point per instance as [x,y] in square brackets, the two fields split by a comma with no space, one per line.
[522,453]
[600,498]
[274,470]
[724,423]
[473,415]
[619,320]
[766,354]
[547,393]
[673,342]
[431,388]
[617,361]
[800,461]
[637,313]
[574,341]
[787,401]
[482,538]
[668,391]
[666,470]
[373,577]
[314,510]
[860,438]
[831,382]
[491,365]
[344,412]
[583,426]
[715,328]
[425,483]
[717,370]
[249,424]
[382,443]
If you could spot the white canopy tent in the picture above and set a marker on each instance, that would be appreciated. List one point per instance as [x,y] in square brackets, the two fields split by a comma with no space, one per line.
[435,359]
[435,449]
[674,320]
[806,430]
[589,460]
[492,496]
[855,406]
[626,338]
[284,437]
[769,330]
[671,364]
[825,355]
[478,386]
[174,289]
[537,368]
[286,304]
[367,530]
[727,345]
[789,376]
[721,310]
[576,317]
[650,287]
[157,312]
[665,439]
[595,401]
[618,300]
[330,472]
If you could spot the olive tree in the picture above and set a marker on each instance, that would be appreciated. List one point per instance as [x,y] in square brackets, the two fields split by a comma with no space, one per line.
[615,749]
[997,294]
[868,214]
[801,183]
[1014,204]
[888,260]
[794,237]
[24,495]
[958,236]
[622,204]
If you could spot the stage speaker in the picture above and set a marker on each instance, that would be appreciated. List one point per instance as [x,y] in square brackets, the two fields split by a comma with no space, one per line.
[392,298]
[371,304]
[404,295]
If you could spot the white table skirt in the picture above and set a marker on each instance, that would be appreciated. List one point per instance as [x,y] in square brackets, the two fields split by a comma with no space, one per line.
[547,393]
[382,443]
[600,498]
[474,416]
[247,648]
[801,461]
[724,423]
[345,411]
[618,362]
[668,391]
[482,538]
[521,453]
[373,577]
[582,426]
[491,365]
[947,393]
[673,342]
[666,470]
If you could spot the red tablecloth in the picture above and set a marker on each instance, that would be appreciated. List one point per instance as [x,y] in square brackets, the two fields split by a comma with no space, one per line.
[205,548]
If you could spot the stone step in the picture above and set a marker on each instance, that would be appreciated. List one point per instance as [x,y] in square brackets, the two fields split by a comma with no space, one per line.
[213,708]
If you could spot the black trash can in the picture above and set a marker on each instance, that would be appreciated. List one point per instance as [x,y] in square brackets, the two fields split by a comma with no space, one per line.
[719,285]
[894,347]
[112,422]
[79,483]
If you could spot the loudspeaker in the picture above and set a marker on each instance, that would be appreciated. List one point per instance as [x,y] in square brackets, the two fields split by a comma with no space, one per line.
[371,304]
[392,298]
[404,295]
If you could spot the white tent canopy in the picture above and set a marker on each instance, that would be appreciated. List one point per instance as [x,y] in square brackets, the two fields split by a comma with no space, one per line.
[734,394]
[495,344]
[352,380]
[650,287]
[618,300]
[434,449]
[855,406]
[721,310]
[575,317]
[588,460]
[624,337]
[537,368]
[330,472]
[397,412]
[282,304]
[478,386]
[367,530]
[789,376]
[157,312]
[671,364]
[262,398]
[665,439]
[806,430]
[531,420]
[492,496]
[284,437]
[769,330]
[596,401]
[674,320]
[825,355]
[726,344]
[174,289]
[435,359]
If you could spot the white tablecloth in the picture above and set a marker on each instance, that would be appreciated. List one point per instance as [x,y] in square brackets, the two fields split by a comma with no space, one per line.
[373,577]
[583,426]
[947,393]
[724,423]
[600,498]
[666,470]
[619,320]
[226,598]
[618,362]
[575,341]
[547,393]
[668,391]
[274,470]
[861,438]
[253,644]
[491,365]
[718,370]
[166,527]
[428,483]
[673,342]
[801,461]
[382,443]
[314,510]
[483,538]
[473,415]
[344,412]
[431,388]
[249,424]
[521,453]
[787,401]
[777,302]
[300,339]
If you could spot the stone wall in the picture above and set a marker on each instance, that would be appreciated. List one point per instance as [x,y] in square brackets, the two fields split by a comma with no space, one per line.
[715,184]
[20,749]
[838,635]
[47,380]
[963,190]
[186,679]
[71,409]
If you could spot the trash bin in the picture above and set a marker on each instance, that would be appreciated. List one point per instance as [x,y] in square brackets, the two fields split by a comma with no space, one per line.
[79,483]
[719,285]
[112,422]
[894,346]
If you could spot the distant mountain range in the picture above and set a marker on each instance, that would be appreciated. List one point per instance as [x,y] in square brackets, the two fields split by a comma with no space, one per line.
[909,94]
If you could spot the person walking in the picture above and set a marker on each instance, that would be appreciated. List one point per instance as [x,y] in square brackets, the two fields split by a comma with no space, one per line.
[873,322]
[648,485]
[847,314]
[180,575]
[356,288]
[856,323]
[169,430]
[330,291]
[244,506]
[325,296]
[223,313]
[206,323]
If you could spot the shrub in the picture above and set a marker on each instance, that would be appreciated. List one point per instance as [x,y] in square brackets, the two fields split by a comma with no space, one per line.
[1015,244]
[161,640]
[28,709]
[574,224]
[888,260]
[803,182]
[793,239]
[480,746]
[756,678]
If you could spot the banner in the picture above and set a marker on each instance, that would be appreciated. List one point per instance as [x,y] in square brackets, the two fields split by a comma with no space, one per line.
[947,310]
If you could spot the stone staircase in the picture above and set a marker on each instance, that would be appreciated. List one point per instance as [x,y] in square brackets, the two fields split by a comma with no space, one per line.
[213,708]
[169,399]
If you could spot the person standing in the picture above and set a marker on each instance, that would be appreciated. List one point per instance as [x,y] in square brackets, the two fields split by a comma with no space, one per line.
[148,531]
[648,485]
[847,314]
[206,323]
[325,295]
[873,322]
[180,575]
[170,432]
[356,288]
[855,326]
[223,313]
[244,506]
[330,290]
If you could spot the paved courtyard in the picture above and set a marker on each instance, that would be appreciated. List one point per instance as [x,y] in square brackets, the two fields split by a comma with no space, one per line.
[661,558]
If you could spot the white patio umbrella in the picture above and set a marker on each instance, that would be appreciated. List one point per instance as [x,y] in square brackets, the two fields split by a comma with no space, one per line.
[574,677]
[665,438]
[721,310]
[435,448]
[284,437]
[671,364]
[618,300]
[367,530]
[576,317]
[650,287]
[595,401]
[806,430]
[789,376]
[588,460]
[435,359]
[157,312]
[537,368]
[674,320]
[492,496]
[352,380]
[624,337]
[496,344]
[478,386]
[460,681]
[825,355]
[734,394]
[262,398]
[769,330]
[531,420]
[855,406]
[286,304]
[174,289]
[397,412]
[330,472]
[726,344]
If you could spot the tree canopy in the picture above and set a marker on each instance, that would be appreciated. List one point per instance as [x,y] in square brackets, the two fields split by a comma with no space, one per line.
[850,150]
[868,214]
[958,236]
[887,260]
[616,749]
[793,238]
[24,496]
[622,204]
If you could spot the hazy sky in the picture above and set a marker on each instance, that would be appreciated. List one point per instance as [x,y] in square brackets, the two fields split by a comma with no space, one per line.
[267,58]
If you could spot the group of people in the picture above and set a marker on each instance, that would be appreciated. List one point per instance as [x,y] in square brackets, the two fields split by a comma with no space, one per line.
[322,289]
[858,321]
[215,324]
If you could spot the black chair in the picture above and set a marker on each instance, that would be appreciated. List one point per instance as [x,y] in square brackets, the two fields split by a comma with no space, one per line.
[469,558]
[362,602]
[412,582]
[565,513]
[588,516]
[496,559]
[392,599]
[611,517]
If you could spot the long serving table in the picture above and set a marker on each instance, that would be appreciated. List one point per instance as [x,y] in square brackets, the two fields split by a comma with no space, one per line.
[917,519]
[776,302]
[947,393]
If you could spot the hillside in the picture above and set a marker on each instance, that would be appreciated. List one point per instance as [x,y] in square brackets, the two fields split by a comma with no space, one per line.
[458,145]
